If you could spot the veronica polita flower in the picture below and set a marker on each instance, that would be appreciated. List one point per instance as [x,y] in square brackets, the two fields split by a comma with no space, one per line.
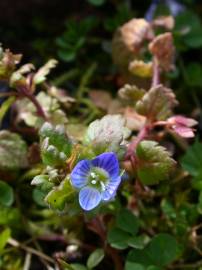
[97,179]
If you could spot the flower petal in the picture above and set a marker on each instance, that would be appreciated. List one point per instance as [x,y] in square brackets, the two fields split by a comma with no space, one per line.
[111,189]
[109,162]
[183,131]
[79,173]
[89,198]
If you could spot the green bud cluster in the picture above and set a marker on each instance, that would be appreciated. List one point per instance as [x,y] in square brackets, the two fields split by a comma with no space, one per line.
[55,145]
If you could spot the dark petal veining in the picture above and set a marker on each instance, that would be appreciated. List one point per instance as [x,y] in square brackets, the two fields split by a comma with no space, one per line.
[89,198]
[79,174]
[109,162]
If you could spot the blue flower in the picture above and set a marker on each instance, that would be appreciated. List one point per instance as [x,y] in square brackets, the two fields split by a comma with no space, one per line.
[174,6]
[97,179]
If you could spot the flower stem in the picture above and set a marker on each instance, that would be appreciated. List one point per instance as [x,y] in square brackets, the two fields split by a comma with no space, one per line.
[156,73]
[141,135]
[97,226]
[25,92]
[149,125]
[31,250]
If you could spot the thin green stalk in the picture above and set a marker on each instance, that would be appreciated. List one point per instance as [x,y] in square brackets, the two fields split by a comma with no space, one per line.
[85,81]
[65,77]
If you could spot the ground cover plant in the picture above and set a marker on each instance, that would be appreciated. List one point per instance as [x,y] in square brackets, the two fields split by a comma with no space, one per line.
[101,163]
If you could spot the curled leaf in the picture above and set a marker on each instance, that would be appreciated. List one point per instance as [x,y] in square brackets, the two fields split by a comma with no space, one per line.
[41,74]
[128,41]
[140,68]
[17,77]
[157,103]
[163,49]
[131,93]
[166,22]
[8,63]
[61,96]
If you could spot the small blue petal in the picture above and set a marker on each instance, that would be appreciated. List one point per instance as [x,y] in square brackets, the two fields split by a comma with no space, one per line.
[151,10]
[89,198]
[175,7]
[109,162]
[79,174]
[111,189]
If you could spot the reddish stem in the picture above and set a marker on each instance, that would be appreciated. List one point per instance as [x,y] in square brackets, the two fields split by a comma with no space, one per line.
[148,126]
[98,227]
[33,99]
[156,73]
[141,135]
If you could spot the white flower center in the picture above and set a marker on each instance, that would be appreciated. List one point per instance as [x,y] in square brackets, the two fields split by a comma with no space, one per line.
[93,174]
[94,182]
[98,178]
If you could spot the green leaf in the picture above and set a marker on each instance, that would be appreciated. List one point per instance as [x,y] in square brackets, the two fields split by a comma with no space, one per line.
[197,181]
[4,236]
[118,238]
[187,19]
[95,258]
[13,151]
[77,266]
[65,265]
[6,194]
[155,162]
[127,221]
[163,249]
[43,182]
[72,266]
[138,242]
[192,160]
[193,74]
[121,16]
[188,28]
[168,209]
[194,38]
[152,267]
[10,216]
[39,179]
[199,205]
[5,107]
[67,56]
[97,2]
[139,257]
[74,38]
[50,154]
[133,266]
[38,197]
[157,103]
[59,196]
